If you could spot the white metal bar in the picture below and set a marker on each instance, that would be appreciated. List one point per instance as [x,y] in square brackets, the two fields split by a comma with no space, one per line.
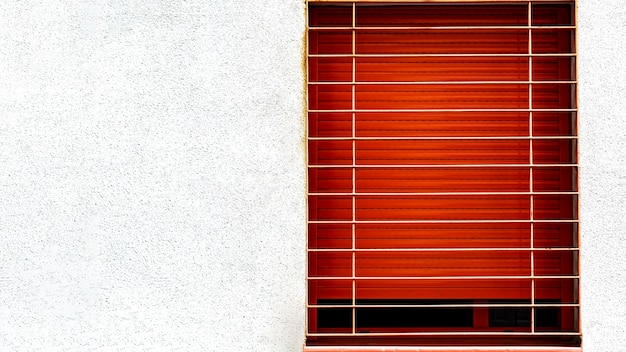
[578,322]
[447,55]
[443,2]
[353,168]
[439,138]
[440,221]
[438,82]
[441,110]
[447,249]
[400,194]
[443,305]
[449,333]
[307,133]
[418,278]
[530,155]
[384,28]
[410,166]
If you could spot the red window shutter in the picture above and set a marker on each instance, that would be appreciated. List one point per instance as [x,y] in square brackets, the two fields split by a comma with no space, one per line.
[442,162]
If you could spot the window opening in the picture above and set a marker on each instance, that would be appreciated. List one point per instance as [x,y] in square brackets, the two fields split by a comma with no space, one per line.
[442,178]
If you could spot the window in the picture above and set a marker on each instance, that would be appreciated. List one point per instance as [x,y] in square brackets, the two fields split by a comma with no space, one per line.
[442,178]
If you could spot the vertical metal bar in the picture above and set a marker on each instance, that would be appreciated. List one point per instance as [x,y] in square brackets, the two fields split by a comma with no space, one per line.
[306,156]
[531,160]
[353,168]
[575,77]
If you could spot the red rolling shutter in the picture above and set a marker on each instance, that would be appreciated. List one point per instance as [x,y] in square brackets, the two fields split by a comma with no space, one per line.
[442,165]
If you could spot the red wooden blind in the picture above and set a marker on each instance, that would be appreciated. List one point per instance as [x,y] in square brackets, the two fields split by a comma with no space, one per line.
[442,168]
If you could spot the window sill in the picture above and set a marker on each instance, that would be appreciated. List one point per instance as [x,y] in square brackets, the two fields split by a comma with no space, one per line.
[438,349]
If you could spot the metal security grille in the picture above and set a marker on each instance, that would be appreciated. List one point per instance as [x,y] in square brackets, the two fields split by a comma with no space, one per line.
[442,173]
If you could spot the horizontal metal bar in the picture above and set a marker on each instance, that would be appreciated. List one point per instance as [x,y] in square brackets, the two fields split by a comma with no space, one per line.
[432,166]
[439,110]
[370,28]
[441,305]
[447,333]
[439,221]
[515,277]
[439,138]
[437,82]
[454,2]
[400,194]
[447,55]
[487,249]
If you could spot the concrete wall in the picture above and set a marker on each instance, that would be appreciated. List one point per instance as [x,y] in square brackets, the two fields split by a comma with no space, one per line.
[602,96]
[152,183]
[152,175]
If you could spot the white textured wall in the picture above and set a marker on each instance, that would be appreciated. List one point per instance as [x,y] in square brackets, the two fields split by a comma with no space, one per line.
[602,95]
[151,175]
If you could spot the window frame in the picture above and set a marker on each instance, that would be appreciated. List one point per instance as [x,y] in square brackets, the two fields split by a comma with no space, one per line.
[575,103]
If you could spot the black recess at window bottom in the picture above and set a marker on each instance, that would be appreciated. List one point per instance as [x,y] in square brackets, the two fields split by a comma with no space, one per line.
[520,317]
[397,317]
[406,317]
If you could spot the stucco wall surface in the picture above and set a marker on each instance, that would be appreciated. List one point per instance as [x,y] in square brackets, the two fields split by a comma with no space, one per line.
[602,96]
[151,175]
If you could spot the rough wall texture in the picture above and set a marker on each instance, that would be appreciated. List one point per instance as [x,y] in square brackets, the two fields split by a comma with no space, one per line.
[151,175]
[602,95]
